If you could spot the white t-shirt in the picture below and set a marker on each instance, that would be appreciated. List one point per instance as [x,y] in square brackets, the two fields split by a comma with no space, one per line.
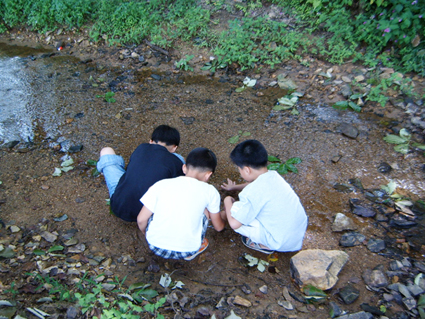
[178,206]
[272,202]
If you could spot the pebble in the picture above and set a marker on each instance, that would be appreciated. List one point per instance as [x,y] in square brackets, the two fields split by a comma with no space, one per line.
[352,239]
[349,294]
[375,245]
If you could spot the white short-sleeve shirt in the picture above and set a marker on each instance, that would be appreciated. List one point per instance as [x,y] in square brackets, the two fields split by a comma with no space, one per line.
[273,203]
[178,206]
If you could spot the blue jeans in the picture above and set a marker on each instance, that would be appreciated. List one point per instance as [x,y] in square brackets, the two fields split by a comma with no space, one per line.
[113,167]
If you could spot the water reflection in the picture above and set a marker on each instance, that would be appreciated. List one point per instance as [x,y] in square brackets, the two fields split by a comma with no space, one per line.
[16,116]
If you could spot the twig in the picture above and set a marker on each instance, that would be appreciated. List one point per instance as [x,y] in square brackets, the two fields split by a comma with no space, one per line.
[157,48]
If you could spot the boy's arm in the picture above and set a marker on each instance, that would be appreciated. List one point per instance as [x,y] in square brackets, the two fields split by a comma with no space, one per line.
[232,186]
[142,219]
[228,203]
[216,220]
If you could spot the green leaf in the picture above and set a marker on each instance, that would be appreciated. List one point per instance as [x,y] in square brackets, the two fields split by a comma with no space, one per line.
[310,290]
[294,160]
[390,187]
[405,134]
[355,107]
[55,248]
[138,285]
[38,252]
[68,162]
[420,146]
[292,168]
[282,169]
[273,166]
[340,105]
[402,148]
[233,139]
[421,301]
[262,265]
[295,111]
[394,139]
[246,134]
[272,158]
[288,102]
[91,162]
[280,107]
[57,172]
[241,89]
[355,96]
[67,168]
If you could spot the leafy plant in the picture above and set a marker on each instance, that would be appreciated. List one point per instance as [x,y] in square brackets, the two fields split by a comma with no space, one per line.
[108,97]
[354,102]
[183,64]
[12,290]
[213,65]
[283,167]
[403,141]
[288,102]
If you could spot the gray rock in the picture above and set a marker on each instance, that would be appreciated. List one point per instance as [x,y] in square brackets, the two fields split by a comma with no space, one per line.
[357,315]
[409,303]
[346,91]
[404,291]
[334,310]
[317,267]
[375,245]
[72,313]
[360,208]
[50,237]
[352,239]
[342,223]
[349,294]
[347,130]
[415,290]
[375,278]
[396,265]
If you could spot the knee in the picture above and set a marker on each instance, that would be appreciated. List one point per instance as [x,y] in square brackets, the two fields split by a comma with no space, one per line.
[107,151]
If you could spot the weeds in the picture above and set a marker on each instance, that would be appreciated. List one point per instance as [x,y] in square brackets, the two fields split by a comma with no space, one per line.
[283,167]
[387,33]
[183,64]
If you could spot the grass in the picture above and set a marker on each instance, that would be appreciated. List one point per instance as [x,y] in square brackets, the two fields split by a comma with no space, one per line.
[373,33]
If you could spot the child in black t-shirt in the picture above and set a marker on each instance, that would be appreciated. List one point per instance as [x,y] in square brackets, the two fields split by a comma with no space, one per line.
[149,163]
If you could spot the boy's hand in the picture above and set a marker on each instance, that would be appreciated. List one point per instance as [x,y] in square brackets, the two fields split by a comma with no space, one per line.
[229,186]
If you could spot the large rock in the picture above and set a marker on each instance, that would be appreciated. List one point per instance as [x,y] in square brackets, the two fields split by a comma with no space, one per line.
[317,267]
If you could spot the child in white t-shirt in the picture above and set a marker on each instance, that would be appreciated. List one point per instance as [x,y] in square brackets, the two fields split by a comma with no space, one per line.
[176,211]
[269,214]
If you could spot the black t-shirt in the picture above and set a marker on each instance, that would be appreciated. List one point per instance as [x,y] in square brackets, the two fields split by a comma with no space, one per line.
[148,164]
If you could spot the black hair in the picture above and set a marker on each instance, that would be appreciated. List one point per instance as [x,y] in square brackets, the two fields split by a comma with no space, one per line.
[202,158]
[249,153]
[166,134]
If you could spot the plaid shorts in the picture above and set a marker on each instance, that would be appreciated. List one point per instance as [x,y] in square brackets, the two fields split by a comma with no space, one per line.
[171,254]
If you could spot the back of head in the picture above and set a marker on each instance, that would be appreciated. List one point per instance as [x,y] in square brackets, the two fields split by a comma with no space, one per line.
[166,134]
[202,159]
[250,153]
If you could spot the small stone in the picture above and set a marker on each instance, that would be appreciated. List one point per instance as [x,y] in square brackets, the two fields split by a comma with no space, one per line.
[384,168]
[346,79]
[335,310]
[264,289]
[415,290]
[359,78]
[72,313]
[45,187]
[71,242]
[347,130]
[404,291]
[375,278]
[375,245]
[342,223]
[50,237]
[156,77]
[285,304]
[349,294]
[14,229]
[410,303]
[77,249]
[352,239]
[242,302]
[108,287]
[336,158]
